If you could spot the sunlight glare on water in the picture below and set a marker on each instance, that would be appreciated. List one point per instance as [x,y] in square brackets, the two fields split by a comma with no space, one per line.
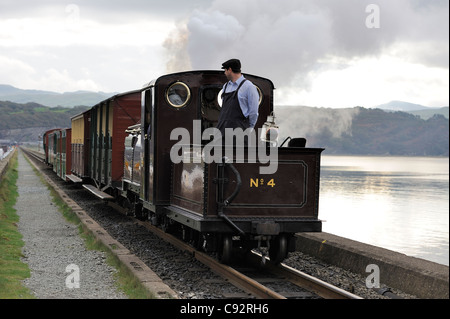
[399,203]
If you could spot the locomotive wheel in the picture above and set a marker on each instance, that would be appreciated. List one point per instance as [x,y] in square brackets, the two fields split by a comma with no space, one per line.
[225,249]
[278,249]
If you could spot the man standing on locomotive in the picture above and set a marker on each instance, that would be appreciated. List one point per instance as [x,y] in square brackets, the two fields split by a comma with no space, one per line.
[240,100]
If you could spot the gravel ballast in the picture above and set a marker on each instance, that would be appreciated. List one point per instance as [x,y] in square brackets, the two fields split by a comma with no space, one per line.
[61,266]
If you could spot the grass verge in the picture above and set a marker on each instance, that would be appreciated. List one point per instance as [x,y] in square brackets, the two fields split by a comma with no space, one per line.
[12,269]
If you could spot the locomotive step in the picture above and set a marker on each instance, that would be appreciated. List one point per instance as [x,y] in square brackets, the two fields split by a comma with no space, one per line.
[97,192]
[74,178]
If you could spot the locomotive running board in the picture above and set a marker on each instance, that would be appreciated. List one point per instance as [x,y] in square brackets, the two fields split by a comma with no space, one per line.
[97,192]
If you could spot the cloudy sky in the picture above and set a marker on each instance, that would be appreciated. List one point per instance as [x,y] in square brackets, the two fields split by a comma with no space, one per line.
[324,53]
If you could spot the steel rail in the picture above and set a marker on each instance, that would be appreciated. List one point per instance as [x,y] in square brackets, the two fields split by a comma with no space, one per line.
[235,277]
[301,279]
[39,156]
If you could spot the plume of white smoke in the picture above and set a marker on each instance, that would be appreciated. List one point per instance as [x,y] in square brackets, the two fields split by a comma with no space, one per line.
[288,40]
[310,121]
[178,57]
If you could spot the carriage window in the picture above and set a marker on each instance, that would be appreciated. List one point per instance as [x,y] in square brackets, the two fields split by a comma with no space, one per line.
[219,96]
[178,94]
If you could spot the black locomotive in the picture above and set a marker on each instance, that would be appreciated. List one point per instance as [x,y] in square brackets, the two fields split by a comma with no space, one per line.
[154,151]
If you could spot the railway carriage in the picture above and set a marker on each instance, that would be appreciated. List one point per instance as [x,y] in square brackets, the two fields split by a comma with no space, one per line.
[65,153]
[57,148]
[80,145]
[53,148]
[108,121]
[48,142]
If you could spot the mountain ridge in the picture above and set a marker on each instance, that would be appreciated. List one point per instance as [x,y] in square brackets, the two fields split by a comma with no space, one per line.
[423,111]
[404,106]
[52,99]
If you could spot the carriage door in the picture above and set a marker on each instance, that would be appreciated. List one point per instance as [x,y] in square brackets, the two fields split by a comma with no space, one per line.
[147,135]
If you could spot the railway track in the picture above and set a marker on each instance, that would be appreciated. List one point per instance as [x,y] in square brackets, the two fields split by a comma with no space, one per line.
[34,154]
[268,282]
[250,276]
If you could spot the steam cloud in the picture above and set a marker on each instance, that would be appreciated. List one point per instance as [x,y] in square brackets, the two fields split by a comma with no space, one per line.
[289,40]
[308,122]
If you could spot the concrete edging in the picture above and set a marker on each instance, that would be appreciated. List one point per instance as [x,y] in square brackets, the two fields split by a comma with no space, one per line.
[411,275]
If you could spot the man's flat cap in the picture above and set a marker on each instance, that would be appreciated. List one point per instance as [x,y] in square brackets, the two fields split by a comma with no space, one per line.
[234,64]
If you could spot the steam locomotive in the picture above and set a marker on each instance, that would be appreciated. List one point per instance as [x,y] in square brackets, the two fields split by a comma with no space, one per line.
[155,151]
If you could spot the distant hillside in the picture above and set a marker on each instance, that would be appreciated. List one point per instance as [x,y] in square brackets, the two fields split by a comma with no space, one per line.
[427,113]
[361,131]
[52,99]
[351,131]
[401,106]
[24,122]
[424,112]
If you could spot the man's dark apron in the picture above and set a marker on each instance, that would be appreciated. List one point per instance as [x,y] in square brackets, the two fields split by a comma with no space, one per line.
[231,115]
